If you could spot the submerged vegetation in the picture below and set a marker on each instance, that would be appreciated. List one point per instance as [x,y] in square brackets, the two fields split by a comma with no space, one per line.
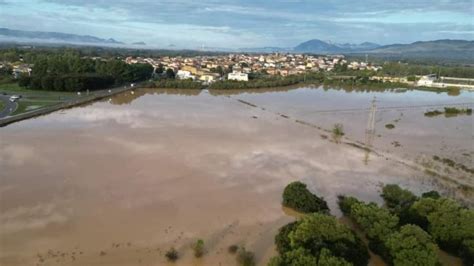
[449,112]
[245,257]
[338,130]
[389,126]
[453,164]
[172,254]
[409,230]
[198,248]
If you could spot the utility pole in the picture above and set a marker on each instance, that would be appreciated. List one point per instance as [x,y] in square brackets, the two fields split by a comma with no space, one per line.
[371,122]
[370,130]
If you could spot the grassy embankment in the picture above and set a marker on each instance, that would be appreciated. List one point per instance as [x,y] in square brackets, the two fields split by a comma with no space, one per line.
[33,99]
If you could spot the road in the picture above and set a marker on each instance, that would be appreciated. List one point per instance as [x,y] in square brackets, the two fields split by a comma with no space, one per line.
[9,108]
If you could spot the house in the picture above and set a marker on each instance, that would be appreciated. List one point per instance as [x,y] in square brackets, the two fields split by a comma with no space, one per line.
[183,74]
[209,78]
[427,80]
[239,76]
[193,70]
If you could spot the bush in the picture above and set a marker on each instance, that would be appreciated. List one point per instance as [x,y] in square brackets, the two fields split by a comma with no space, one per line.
[390,126]
[412,246]
[245,258]
[172,254]
[198,248]
[299,198]
[338,130]
[233,249]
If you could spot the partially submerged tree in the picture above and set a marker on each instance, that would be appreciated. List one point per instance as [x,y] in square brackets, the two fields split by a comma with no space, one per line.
[298,197]
[316,239]
[412,246]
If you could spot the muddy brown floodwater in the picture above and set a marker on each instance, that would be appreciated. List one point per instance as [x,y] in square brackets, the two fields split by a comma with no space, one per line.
[120,181]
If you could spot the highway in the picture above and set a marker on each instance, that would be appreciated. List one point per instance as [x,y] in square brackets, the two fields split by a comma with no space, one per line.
[9,108]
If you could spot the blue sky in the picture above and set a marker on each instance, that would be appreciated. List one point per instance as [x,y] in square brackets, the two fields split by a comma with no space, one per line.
[245,23]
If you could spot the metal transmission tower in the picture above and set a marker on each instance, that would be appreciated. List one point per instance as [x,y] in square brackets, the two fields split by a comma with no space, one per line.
[370,130]
[371,122]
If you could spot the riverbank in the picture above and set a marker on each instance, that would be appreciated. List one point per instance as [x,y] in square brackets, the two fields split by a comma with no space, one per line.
[93,96]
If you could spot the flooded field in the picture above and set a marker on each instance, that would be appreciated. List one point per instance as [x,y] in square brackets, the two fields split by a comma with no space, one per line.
[120,181]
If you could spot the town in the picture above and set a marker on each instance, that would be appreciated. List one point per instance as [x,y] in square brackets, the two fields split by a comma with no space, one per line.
[242,67]
[207,69]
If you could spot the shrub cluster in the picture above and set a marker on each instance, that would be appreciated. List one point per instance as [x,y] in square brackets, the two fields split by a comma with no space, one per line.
[409,230]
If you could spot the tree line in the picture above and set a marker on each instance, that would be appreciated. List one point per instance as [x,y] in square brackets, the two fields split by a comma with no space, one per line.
[409,230]
[70,72]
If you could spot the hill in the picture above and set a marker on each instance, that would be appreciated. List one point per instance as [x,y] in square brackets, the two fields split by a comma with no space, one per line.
[322,47]
[53,37]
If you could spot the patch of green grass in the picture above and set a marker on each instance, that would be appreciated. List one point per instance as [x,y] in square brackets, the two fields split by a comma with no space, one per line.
[24,106]
[13,88]
[34,99]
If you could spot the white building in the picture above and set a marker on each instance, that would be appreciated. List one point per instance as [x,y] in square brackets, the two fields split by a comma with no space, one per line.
[207,78]
[183,74]
[239,76]
[427,80]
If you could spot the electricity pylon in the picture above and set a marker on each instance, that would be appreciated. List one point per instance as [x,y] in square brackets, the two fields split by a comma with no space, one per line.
[370,130]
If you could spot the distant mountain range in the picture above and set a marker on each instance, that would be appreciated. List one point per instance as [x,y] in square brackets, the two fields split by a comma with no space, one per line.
[318,46]
[438,46]
[22,35]
[450,49]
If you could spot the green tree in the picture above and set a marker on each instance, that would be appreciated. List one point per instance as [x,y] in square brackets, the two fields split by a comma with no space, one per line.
[160,69]
[412,246]
[377,223]
[170,73]
[317,231]
[298,197]
[398,201]
[326,258]
[345,203]
[282,239]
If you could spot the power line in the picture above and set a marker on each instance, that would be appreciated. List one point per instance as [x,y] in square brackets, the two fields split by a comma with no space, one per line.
[388,108]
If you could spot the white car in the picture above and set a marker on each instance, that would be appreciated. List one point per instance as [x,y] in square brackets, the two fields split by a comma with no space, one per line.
[14,98]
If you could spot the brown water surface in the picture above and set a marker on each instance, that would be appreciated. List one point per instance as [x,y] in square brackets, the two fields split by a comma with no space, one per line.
[120,181]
